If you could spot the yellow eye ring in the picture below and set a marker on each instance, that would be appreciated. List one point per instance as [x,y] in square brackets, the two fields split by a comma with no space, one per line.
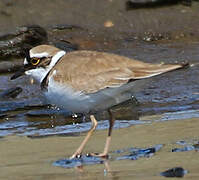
[35,61]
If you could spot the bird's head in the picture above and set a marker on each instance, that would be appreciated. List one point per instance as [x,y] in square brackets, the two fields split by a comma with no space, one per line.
[39,61]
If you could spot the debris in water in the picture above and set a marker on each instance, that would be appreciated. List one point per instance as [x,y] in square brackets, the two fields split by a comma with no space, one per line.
[11,93]
[136,153]
[174,172]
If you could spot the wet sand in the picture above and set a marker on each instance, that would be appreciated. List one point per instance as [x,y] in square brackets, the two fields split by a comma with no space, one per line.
[26,158]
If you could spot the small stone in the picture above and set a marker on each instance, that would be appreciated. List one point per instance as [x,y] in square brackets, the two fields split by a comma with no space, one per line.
[108,24]
[174,172]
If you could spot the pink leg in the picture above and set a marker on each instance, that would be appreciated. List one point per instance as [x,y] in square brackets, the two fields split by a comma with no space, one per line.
[90,132]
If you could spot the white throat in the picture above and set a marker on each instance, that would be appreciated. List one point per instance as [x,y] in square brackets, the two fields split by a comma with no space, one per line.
[40,73]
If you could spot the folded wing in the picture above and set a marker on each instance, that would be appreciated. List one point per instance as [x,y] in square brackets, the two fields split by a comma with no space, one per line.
[91,71]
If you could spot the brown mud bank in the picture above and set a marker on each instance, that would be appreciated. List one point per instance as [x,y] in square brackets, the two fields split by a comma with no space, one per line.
[164,19]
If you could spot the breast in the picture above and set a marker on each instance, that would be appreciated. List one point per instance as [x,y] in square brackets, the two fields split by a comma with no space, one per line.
[63,96]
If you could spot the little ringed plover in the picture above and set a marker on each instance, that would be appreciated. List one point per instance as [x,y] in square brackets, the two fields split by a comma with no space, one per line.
[87,81]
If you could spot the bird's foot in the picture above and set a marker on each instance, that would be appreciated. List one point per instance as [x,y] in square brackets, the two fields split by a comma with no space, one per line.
[76,155]
[102,155]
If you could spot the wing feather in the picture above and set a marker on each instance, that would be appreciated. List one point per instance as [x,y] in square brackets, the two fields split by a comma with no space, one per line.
[90,71]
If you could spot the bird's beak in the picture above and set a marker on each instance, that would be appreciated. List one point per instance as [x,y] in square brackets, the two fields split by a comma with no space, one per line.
[21,71]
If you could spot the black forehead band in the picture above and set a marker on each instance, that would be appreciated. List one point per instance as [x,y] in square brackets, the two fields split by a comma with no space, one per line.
[27,55]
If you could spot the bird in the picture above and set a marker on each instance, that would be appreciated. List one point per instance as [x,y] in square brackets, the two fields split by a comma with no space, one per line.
[87,82]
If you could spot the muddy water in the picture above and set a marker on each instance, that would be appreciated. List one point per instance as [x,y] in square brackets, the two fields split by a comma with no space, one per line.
[36,137]
[29,113]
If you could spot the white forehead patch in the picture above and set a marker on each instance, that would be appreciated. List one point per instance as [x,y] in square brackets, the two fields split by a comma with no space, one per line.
[25,61]
[39,55]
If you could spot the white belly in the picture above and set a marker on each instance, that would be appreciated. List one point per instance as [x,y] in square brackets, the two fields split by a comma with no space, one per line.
[66,98]
[77,102]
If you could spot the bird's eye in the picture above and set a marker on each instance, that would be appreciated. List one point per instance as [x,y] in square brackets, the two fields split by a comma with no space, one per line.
[35,61]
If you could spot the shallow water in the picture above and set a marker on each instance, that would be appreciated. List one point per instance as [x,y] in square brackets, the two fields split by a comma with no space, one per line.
[37,139]
[29,113]
[36,157]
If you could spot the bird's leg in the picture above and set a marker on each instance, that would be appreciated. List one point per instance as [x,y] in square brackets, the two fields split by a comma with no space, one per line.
[81,147]
[108,139]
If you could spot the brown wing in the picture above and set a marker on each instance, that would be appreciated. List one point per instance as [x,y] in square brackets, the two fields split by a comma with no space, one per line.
[90,71]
